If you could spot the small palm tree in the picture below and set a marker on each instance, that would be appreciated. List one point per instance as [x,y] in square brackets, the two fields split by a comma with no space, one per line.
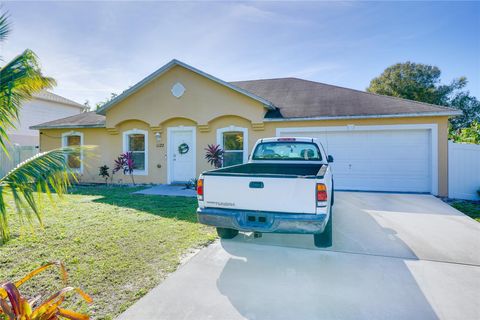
[19,80]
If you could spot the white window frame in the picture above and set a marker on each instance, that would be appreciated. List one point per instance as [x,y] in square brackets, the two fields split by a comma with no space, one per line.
[221,131]
[126,149]
[65,136]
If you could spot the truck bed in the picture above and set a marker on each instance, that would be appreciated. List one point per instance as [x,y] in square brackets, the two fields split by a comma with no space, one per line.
[271,170]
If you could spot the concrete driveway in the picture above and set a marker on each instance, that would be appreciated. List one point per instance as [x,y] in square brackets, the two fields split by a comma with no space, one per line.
[395,256]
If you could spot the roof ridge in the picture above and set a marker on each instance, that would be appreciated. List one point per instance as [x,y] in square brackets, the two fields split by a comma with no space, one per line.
[165,68]
[359,91]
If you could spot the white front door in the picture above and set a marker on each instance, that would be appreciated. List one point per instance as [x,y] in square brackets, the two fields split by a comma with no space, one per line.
[181,154]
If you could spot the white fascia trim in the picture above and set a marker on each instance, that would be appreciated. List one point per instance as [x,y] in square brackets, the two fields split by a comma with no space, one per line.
[125,149]
[168,66]
[64,145]
[399,115]
[73,126]
[170,151]
[432,127]
[221,131]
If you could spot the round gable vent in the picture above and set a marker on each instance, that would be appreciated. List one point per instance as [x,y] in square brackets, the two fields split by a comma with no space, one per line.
[178,90]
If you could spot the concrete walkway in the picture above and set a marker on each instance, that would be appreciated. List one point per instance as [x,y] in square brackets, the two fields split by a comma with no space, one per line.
[394,257]
[169,190]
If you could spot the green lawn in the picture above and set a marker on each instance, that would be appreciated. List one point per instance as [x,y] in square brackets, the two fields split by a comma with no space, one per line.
[471,209]
[117,246]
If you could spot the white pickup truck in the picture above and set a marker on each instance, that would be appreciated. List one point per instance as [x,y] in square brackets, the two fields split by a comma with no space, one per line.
[285,187]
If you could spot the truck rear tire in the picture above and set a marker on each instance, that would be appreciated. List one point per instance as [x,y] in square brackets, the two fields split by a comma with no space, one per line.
[226,233]
[325,239]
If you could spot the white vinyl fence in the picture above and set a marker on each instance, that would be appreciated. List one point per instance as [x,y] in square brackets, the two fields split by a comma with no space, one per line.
[463,170]
[17,154]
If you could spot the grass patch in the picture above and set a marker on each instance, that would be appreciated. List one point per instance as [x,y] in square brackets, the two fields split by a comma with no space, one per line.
[470,208]
[116,245]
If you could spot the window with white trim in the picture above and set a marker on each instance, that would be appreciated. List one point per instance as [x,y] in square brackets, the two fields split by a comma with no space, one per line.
[136,142]
[233,141]
[74,160]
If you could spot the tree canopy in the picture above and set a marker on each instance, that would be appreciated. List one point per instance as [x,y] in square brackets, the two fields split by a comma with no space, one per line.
[421,82]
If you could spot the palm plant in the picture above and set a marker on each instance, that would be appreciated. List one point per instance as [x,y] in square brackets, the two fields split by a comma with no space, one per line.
[19,80]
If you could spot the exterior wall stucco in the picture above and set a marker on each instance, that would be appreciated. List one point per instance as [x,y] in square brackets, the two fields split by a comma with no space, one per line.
[111,145]
[208,106]
[202,101]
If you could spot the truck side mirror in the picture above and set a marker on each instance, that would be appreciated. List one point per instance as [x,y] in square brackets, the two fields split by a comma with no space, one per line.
[329,159]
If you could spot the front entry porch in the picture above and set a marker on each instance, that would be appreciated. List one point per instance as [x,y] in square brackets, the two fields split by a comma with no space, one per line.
[174,190]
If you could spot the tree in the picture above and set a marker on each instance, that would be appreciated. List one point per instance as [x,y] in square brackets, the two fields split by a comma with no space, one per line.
[100,104]
[421,82]
[470,134]
[19,80]
[470,107]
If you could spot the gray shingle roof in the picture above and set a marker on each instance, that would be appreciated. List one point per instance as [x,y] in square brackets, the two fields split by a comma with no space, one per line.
[298,98]
[83,120]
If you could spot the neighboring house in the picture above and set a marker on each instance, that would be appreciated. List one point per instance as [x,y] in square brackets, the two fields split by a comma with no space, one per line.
[45,106]
[167,120]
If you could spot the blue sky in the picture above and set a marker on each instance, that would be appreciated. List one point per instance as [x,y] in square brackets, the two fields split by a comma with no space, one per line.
[95,48]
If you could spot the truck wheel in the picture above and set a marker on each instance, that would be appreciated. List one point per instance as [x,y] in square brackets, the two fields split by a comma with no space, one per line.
[226,233]
[325,239]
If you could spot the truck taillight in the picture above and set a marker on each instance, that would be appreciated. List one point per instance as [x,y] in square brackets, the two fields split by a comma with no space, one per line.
[200,189]
[321,195]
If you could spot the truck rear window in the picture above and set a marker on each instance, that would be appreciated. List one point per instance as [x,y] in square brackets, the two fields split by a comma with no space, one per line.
[287,150]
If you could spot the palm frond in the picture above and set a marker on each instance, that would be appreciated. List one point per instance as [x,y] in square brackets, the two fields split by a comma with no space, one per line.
[4,26]
[45,172]
[19,80]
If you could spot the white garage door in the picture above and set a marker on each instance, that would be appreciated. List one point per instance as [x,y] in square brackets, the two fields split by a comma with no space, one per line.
[377,160]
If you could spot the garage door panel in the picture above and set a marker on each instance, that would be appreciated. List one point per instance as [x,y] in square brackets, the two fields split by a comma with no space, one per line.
[378,160]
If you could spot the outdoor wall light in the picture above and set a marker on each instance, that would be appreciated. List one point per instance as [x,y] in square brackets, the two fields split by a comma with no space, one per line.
[158,136]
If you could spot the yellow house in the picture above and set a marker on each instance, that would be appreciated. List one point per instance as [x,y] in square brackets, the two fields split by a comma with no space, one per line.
[379,143]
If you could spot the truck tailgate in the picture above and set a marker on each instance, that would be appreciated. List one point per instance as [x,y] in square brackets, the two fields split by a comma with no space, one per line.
[289,195]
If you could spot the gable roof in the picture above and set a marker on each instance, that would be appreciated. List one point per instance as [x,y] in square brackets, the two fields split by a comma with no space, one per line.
[299,99]
[167,67]
[83,120]
[50,96]
[288,98]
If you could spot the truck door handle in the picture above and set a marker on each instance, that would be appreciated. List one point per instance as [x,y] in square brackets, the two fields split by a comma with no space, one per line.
[256,185]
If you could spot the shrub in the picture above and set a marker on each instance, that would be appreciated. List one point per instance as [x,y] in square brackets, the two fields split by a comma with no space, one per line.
[14,306]
[214,155]
[469,134]
[125,163]
[192,184]
[103,172]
